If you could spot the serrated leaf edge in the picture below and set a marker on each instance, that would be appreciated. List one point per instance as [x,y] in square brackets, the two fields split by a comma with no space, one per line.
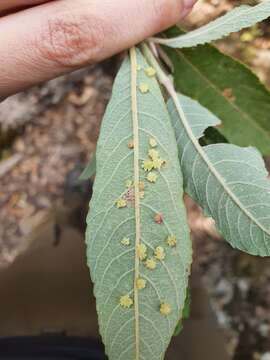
[190,37]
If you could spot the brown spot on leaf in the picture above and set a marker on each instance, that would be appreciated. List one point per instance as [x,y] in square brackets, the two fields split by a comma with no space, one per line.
[131,144]
[158,218]
[129,195]
[228,93]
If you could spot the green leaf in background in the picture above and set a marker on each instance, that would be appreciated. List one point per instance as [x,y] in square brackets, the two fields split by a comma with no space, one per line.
[235,20]
[90,169]
[185,315]
[212,136]
[139,249]
[227,88]
[230,183]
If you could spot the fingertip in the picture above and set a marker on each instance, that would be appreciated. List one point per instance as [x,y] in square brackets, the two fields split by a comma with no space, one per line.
[169,12]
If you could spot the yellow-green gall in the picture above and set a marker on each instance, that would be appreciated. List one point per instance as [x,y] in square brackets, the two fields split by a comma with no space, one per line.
[141,194]
[150,71]
[157,163]
[171,241]
[152,177]
[165,309]
[150,264]
[125,241]
[141,284]
[160,253]
[153,154]
[121,203]
[126,301]
[129,183]
[147,165]
[142,251]
[139,68]
[152,142]
[144,88]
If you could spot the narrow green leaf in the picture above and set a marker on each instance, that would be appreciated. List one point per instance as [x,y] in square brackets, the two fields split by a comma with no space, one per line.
[230,183]
[212,136]
[90,169]
[228,89]
[235,20]
[185,314]
[179,328]
[124,218]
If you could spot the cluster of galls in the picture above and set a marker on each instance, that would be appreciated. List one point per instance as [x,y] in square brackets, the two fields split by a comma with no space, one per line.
[151,166]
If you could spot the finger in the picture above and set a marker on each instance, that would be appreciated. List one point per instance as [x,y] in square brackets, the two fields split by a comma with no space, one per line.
[60,36]
[11,4]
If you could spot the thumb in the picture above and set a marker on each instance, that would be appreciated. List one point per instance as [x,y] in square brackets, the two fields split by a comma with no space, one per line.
[60,36]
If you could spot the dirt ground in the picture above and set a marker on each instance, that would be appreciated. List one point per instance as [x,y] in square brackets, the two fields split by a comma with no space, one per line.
[49,133]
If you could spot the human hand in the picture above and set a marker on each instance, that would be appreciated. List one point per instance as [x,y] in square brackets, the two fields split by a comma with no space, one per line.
[40,39]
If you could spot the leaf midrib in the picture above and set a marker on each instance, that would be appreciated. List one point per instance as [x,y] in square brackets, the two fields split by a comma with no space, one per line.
[135,122]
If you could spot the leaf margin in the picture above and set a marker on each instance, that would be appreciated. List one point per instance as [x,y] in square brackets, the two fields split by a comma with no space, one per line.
[205,34]
[174,103]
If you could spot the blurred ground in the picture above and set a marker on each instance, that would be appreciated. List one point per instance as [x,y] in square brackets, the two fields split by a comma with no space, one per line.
[59,135]
[49,133]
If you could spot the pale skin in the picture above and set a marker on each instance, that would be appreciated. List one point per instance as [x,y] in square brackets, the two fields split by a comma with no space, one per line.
[40,39]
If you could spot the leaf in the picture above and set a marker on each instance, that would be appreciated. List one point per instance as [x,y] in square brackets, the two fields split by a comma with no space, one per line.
[90,169]
[185,314]
[230,183]
[122,219]
[239,18]
[228,89]
[212,136]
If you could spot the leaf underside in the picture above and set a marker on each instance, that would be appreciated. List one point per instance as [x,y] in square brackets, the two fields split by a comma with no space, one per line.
[135,114]
[229,182]
[239,18]
[228,89]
